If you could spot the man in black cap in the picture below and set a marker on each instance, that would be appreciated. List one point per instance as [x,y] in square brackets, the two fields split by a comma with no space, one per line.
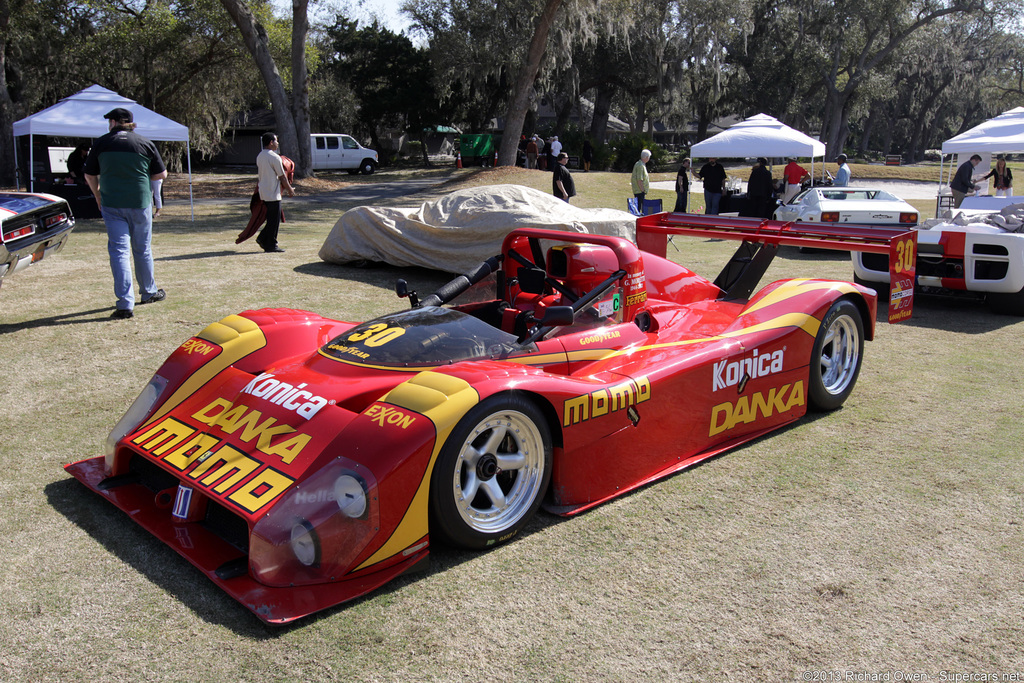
[119,169]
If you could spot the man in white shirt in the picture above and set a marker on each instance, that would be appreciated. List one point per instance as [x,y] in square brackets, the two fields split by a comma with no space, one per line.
[556,147]
[272,178]
[843,174]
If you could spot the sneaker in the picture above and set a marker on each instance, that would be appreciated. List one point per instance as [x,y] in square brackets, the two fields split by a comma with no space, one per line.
[159,296]
[274,250]
[121,314]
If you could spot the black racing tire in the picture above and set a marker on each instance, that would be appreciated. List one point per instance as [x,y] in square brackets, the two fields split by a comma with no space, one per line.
[1006,303]
[368,166]
[491,475]
[836,356]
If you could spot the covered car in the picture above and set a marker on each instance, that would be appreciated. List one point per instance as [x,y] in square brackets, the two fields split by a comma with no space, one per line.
[858,205]
[458,231]
[34,226]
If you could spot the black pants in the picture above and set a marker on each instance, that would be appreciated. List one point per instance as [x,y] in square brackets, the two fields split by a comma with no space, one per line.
[268,236]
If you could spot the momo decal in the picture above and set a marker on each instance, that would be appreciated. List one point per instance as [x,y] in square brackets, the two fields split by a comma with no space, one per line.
[605,401]
[212,465]
[387,415]
[289,396]
[726,416]
[737,372]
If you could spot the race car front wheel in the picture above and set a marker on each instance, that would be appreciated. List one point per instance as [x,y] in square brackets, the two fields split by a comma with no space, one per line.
[491,474]
[836,358]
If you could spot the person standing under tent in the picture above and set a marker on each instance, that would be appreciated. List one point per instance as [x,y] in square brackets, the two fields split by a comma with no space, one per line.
[795,175]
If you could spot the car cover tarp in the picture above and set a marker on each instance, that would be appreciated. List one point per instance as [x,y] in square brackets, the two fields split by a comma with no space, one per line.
[458,231]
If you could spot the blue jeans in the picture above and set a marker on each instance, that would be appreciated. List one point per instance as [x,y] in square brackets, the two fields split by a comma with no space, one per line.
[130,229]
[712,200]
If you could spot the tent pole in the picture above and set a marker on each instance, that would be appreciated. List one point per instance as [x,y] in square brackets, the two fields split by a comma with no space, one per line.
[31,163]
[17,169]
[188,160]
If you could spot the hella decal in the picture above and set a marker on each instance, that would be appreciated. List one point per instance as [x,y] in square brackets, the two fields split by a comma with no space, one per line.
[737,372]
[605,401]
[288,396]
[387,415]
[196,455]
[726,416]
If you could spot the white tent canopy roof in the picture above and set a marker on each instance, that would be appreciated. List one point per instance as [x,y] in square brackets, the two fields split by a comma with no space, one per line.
[759,136]
[1004,133]
[81,116]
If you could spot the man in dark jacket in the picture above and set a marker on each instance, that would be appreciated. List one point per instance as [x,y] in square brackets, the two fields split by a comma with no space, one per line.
[963,181]
[760,190]
[562,185]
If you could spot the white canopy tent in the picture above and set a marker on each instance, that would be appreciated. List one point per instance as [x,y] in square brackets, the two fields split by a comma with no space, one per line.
[1002,134]
[760,136]
[81,116]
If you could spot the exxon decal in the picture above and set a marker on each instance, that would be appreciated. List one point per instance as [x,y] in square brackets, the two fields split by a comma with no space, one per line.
[737,372]
[286,395]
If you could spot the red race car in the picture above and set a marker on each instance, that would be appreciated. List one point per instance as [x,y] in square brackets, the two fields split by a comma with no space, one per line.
[300,462]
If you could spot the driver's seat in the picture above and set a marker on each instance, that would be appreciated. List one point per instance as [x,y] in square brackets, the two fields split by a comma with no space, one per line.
[580,267]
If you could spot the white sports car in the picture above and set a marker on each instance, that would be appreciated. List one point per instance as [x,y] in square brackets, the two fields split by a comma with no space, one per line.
[982,254]
[860,205]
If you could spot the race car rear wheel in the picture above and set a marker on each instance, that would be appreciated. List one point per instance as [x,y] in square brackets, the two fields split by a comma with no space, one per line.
[836,357]
[491,474]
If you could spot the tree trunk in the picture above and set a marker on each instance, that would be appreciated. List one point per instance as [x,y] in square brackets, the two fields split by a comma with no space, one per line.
[258,43]
[300,88]
[515,115]
[7,172]
[602,107]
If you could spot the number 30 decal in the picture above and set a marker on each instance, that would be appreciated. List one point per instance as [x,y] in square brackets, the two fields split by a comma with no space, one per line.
[904,256]
[377,334]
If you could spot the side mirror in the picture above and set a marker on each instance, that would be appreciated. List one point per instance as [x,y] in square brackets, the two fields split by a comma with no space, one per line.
[402,290]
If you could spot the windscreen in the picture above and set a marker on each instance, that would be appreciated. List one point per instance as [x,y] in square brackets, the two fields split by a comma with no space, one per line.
[427,336]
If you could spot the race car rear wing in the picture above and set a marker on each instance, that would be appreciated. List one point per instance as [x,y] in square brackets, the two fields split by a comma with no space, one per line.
[762,239]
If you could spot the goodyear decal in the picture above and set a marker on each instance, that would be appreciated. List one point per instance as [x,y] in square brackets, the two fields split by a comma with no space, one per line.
[605,401]
[213,465]
[600,337]
[389,416]
[726,416]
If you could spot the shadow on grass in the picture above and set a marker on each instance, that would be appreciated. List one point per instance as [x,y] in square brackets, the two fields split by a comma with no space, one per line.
[205,254]
[66,319]
[166,569]
[966,315]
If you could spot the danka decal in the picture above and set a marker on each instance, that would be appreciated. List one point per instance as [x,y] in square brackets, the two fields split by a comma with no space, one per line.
[606,401]
[726,416]
[214,469]
[386,416]
[294,398]
[198,346]
[228,418]
[733,373]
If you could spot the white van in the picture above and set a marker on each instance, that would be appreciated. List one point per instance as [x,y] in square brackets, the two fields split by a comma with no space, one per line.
[333,151]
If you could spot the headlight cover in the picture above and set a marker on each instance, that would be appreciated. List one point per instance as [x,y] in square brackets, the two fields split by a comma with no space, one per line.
[139,411]
[318,529]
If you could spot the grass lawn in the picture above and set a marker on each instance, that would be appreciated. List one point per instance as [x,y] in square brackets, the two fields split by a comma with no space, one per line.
[885,537]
